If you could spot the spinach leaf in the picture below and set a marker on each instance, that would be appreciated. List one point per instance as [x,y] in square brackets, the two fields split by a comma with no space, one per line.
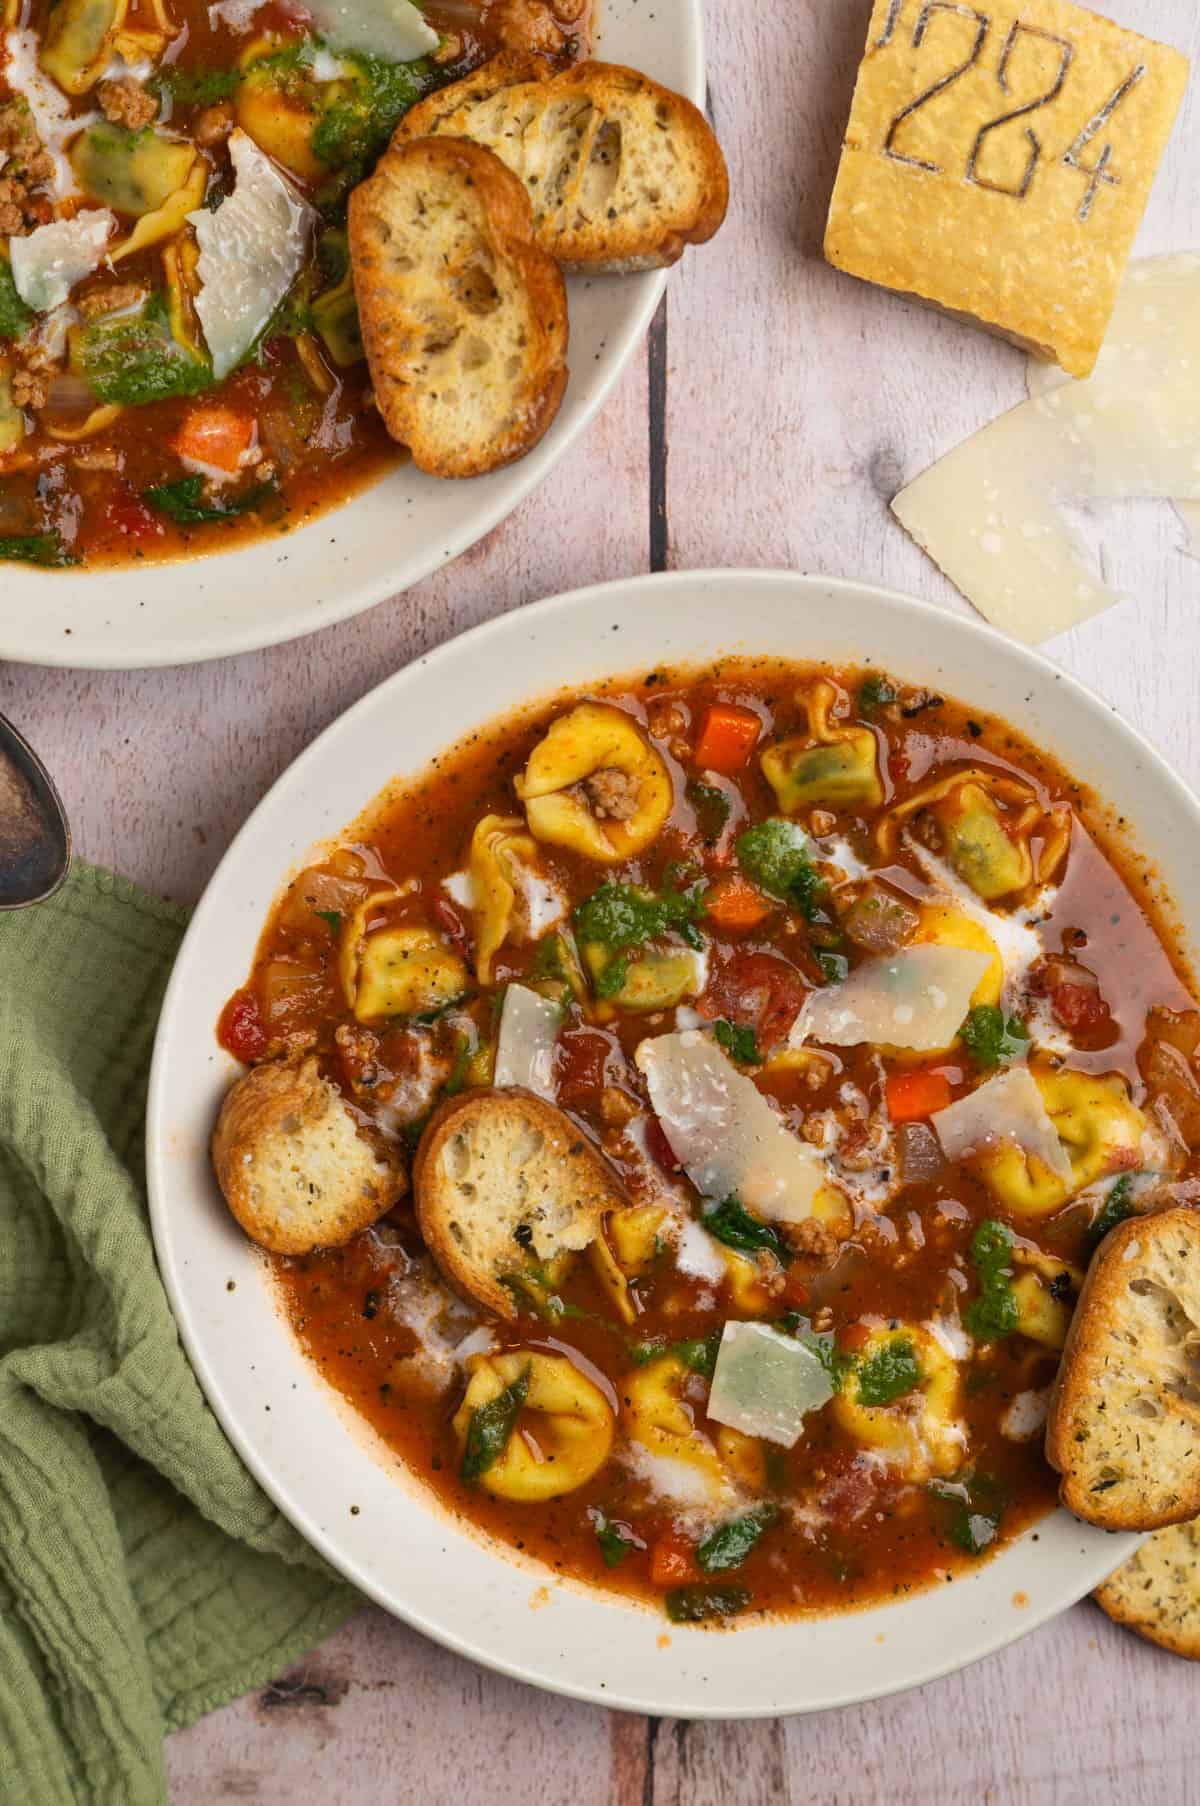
[993,1041]
[692,1605]
[875,694]
[712,807]
[698,1356]
[732,1542]
[734,1226]
[491,1426]
[46,549]
[463,1055]
[889,1374]
[1117,1207]
[181,501]
[776,856]
[739,1043]
[196,87]
[614,1544]
[134,360]
[974,1508]
[995,1312]
[620,917]
[15,317]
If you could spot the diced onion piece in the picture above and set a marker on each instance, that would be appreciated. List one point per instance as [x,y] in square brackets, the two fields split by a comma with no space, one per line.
[1007,1108]
[48,263]
[918,998]
[723,1131]
[391,29]
[529,1026]
[251,251]
[765,1383]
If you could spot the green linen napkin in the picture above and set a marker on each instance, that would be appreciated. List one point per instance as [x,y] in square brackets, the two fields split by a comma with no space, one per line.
[144,1578]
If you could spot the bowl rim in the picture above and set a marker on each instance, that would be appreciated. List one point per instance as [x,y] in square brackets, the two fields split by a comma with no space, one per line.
[1102,1552]
[134,648]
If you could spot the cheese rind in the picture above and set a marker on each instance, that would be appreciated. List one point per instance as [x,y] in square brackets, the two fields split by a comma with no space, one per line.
[998,161]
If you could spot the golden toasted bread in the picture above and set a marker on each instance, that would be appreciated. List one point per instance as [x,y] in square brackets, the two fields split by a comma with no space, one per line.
[1124,1424]
[464,317]
[294,1169]
[622,173]
[1157,1592]
[502,1179]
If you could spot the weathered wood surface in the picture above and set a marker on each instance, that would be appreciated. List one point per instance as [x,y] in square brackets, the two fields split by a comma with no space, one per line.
[778,408]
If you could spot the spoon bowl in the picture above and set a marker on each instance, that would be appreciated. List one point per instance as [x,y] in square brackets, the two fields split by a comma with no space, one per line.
[35,836]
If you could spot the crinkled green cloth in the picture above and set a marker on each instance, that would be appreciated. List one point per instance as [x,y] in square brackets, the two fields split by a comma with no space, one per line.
[144,1578]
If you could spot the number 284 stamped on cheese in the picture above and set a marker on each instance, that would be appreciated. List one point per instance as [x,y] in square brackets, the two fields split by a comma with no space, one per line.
[998,161]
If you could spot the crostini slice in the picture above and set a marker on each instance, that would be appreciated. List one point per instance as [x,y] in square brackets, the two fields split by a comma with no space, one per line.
[1124,1423]
[1157,1592]
[292,1164]
[464,316]
[502,1181]
[622,173]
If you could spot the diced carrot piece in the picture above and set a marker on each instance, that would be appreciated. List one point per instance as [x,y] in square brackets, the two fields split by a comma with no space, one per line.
[216,435]
[734,903]
[727,739]
[672,1563]
[911,1096]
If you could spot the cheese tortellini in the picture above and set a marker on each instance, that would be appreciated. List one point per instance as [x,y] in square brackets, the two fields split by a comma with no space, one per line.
[994,832]
[915,1426]
[401,971]
[627,1243]
[1101,1130]
[656,1416]
[829,767]
[596,786]
[563,1433]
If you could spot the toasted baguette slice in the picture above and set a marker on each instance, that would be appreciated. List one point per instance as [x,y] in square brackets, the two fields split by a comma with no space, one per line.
[294,1169]
[464,317]
[1124,1424]
[1157,1593]
[503,1179]
[622,173]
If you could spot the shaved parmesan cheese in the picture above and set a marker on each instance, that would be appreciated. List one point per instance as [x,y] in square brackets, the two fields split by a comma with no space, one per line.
[49,107]
[251,251]
[529,1025]
[48,263]
[765,1383]
[1007,1108]
[678,1482]
[918,998]
[237,15]
[391,29]
[1026,1416]
[991,513]
[460,888]
[723,1131]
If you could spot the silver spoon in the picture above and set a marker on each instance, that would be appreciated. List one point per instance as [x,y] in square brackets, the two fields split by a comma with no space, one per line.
[35,836]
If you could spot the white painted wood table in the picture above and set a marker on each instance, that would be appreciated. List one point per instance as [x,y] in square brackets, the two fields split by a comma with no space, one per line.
[776,409]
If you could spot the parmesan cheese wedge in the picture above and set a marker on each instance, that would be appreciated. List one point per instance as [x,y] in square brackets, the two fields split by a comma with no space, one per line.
[991,514]
[47,263]
[393,30]
[765,1383]
[529,1025]
[1007,1108]
[251,251]
[918,998]
[724,1133]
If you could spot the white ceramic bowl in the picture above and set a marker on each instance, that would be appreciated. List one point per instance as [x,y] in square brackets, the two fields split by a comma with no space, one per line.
[390,536]
[354,1503]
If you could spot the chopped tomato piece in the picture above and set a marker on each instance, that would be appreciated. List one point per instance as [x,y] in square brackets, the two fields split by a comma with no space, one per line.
[583,1055]
[755,990]
[1080,1008]
[240,1029]
[734,903]
[851,1486]
[912,1096]
[672,1562]
[217,435]
[127,514]
[727,739]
